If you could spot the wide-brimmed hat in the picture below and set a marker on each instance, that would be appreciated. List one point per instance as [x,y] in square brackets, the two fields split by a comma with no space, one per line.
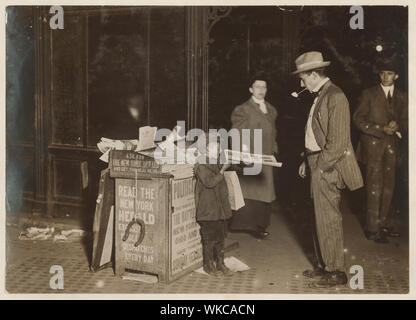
[309,61]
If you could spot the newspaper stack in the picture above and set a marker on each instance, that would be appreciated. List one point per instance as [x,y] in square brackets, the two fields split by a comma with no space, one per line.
[246,157]
[106,145]
[235,195]
[179,171]
[145,144]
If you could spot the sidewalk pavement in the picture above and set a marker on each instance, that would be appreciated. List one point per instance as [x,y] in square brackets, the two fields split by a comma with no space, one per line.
[276,264]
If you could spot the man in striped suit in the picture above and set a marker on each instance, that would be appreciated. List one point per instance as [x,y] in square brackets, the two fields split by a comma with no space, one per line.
[332,164]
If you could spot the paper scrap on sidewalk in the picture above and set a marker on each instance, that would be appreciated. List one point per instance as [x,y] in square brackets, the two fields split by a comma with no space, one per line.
[68,235]
[232,263]
[34,233]
[73,232]
[147,278]
[235,265]
[59,237]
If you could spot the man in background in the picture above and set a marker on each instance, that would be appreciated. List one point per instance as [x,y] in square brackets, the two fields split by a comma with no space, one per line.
[381,117]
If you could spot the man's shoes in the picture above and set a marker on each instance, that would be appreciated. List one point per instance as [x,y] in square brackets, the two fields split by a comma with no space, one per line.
[381,238]
[378,237]
[260,234]
[390,233]
[370,235]
[317,273]
[331,279]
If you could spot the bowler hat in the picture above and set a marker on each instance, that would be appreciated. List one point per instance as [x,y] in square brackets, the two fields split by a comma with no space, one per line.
[309,61]
[387,65]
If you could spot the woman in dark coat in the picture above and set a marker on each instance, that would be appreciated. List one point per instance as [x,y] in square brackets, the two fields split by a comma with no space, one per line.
[258,190]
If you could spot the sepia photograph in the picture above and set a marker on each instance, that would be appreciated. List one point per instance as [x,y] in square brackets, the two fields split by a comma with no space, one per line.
[252,149]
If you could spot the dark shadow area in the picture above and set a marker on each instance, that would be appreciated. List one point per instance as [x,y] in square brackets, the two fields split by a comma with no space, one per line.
[300,220]
[90,194]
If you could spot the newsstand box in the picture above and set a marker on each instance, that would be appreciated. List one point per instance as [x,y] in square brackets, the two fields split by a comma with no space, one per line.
[155,227]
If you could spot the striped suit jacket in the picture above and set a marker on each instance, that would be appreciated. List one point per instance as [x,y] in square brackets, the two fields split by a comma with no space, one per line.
[331,127]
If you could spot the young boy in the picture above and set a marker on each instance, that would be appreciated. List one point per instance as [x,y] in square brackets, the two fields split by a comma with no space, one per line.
[212,210]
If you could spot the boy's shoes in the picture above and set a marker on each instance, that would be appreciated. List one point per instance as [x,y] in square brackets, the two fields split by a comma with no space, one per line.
[219,259]
[223,269]
[208,258]
[211,270]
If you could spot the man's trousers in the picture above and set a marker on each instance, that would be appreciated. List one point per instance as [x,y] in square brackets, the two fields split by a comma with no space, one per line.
[326,192]
[380,180]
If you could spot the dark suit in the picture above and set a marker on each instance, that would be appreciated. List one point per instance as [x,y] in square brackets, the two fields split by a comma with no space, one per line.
[378,150]
[333,168]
